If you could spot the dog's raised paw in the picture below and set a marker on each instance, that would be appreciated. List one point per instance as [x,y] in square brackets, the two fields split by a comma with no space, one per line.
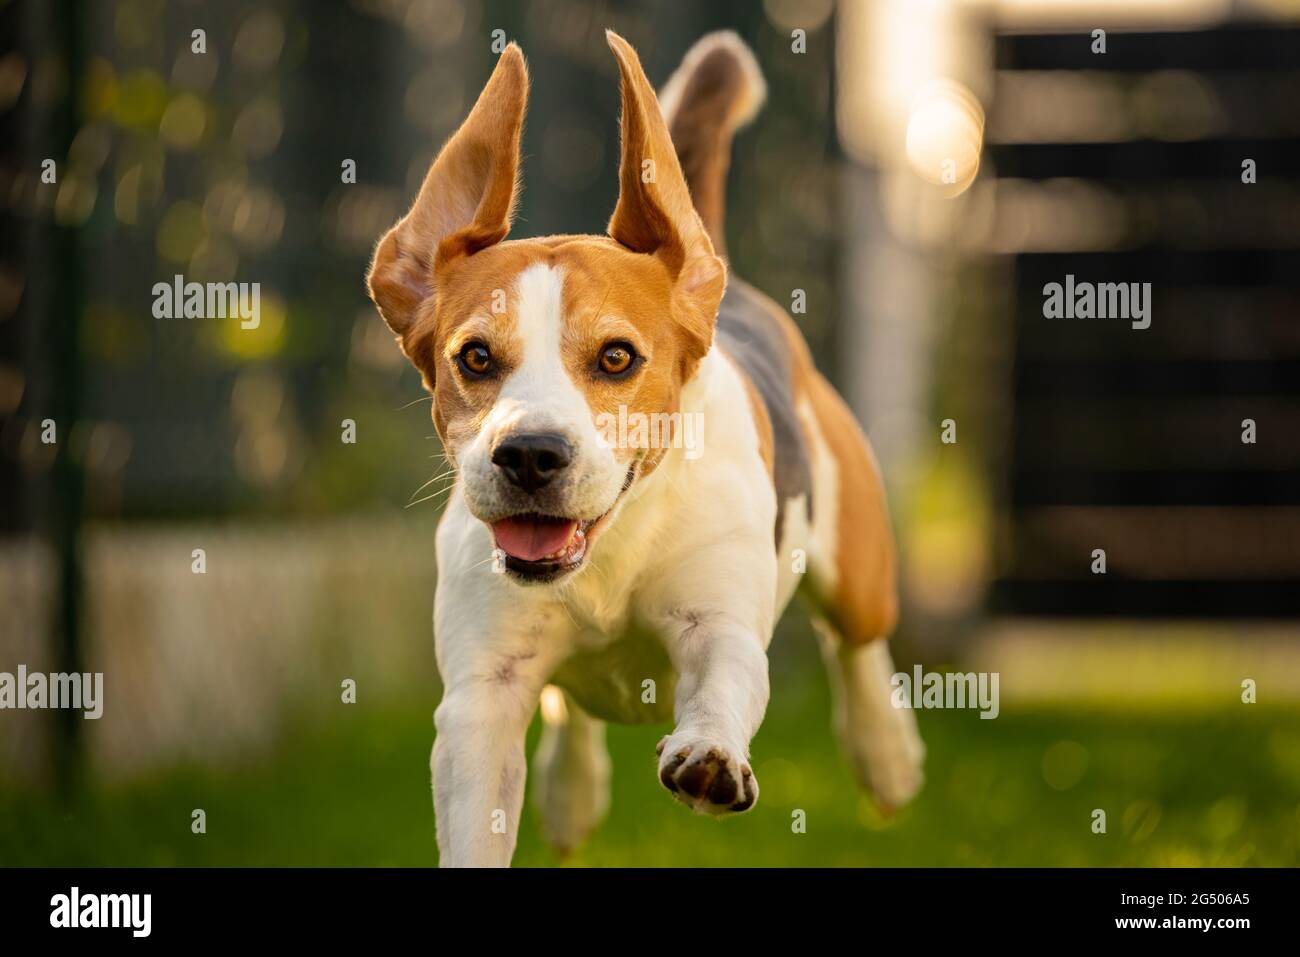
[707,777]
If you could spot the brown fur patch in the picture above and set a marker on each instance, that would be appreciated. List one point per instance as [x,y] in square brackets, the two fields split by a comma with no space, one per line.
[610,295]
[865,600]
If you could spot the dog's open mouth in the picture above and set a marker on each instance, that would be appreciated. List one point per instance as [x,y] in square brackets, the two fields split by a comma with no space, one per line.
[541,547]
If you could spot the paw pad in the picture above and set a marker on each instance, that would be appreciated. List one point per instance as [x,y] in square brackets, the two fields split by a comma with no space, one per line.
[708,779]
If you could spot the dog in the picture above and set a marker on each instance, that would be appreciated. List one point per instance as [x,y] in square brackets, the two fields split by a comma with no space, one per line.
[613,573]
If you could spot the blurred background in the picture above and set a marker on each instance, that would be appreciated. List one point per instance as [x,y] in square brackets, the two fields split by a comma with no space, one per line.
[920,171]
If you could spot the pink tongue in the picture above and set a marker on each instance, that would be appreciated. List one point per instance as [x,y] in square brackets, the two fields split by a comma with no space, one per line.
[529,538]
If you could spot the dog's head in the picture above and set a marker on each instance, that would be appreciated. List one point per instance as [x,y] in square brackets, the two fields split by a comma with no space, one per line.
[534,350]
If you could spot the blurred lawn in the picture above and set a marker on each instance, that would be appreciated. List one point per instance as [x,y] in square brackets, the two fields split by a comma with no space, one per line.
[1214,788]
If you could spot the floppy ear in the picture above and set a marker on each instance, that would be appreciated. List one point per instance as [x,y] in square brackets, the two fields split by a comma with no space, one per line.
[465,203]
[655,213]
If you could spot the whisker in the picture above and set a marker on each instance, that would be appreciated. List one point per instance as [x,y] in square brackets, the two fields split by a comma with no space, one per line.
[441,491]
[431,481]
[490,558]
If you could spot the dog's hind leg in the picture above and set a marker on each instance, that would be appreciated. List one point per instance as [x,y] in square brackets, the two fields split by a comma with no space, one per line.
[851,588]
[571,771]
[880,741]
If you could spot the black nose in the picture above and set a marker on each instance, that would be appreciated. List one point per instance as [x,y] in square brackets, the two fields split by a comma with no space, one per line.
[531,460]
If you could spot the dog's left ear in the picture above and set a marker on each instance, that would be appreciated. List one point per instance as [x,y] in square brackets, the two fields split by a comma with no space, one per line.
[655,214]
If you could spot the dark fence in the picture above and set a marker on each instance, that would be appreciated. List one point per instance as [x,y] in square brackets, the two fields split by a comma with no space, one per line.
[1135,441]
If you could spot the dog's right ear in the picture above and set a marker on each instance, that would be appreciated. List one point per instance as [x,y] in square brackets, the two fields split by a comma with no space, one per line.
[465,204]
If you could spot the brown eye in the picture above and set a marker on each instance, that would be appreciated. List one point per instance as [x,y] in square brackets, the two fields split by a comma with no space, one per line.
[475,359]
[616,358]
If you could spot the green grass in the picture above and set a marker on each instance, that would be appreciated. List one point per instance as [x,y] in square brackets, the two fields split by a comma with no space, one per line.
[1210,788]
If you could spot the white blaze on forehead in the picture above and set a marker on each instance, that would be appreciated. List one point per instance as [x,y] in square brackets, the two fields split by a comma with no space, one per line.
[539,395]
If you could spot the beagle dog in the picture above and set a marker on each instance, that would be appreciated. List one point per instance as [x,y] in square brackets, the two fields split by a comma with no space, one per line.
[647,468]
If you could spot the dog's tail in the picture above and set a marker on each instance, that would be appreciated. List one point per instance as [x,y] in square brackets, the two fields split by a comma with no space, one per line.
[717,89]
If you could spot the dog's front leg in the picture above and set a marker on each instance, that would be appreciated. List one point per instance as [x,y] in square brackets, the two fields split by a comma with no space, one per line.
[492,690]
[722,692]
[478,772]
[497,645]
